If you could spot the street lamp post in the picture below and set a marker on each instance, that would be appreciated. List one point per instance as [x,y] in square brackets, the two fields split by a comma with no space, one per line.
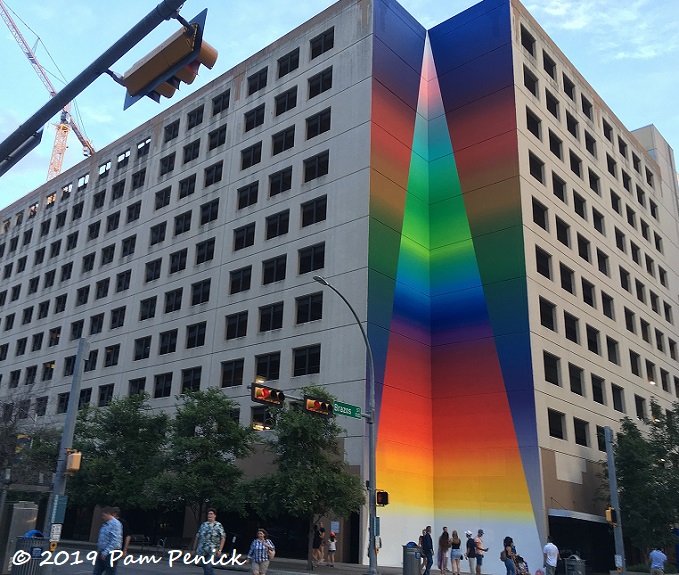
[372,443]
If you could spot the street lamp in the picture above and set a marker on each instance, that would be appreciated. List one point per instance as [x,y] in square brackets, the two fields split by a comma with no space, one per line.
[372,443]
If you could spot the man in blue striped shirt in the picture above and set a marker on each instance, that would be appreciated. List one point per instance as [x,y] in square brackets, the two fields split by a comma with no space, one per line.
[110,539]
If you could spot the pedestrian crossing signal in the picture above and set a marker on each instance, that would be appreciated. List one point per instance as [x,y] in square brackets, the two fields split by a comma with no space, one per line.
[382,498]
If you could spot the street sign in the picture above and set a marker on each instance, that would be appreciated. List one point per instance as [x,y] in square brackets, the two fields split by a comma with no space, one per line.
[55,532]
[347,409]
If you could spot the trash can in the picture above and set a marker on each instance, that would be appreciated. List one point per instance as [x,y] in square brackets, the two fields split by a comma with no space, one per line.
[28,562]
[575,565]
[411,559]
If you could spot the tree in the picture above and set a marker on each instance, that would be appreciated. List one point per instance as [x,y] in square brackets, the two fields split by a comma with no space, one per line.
[123,449]
[312,480]
[205,441]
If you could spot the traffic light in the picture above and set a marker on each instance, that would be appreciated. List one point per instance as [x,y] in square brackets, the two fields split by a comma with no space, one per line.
[319,406]
[176,60]
[267,395]
[612,515]
[73,460]
[382,498]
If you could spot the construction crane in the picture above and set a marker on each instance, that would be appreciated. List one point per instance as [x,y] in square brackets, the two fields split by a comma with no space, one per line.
[66,121]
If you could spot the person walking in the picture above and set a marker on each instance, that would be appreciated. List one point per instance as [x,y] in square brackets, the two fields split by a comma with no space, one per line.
[332,547]
[508,554]
[471,552]
[550,555]
[455,553]
[658,559]
[261,552]
[480,550]
[428,549]
[442,553]
[209,541]
[423,557]
[110,539]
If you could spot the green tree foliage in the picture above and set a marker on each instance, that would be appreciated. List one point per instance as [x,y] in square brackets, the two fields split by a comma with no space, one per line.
[205,441]
[312,480]
[123,449]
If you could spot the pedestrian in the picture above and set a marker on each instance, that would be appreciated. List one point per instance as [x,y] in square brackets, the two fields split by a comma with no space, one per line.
[316,544]
[262,550]
[508,554]
[471,552]
[550,555]
[658,559]
[209,541]
[110,539]
[442,553]
[480,550]
[423,557]
[455,553]
[428,549]
[332,547]
[127,534]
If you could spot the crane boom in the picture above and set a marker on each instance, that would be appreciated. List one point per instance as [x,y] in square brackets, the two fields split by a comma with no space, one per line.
[66,122]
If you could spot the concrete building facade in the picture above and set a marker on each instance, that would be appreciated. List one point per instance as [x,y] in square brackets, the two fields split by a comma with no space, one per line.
[509,244]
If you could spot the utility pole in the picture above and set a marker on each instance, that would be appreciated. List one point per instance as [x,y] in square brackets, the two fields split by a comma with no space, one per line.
[620,563]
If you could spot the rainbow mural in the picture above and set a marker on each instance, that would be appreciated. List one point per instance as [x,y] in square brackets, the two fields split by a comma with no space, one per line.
[447,305]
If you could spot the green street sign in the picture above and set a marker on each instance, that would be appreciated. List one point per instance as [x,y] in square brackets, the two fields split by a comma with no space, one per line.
[340,408]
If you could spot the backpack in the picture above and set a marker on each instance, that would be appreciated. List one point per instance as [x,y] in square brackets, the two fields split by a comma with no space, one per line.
[503,555]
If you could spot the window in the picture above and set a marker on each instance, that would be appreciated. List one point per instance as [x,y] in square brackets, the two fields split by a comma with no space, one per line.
[584,248]
[213,174]
[640,405]
[192,150]
[607,306]
[200,292]
[257,81]
[543,262]
[306,360]
[66,271]
[537,167]
[552,104]
[251,156]
[191,379]
[194,117]
[77,329]
[322,43]
[311,258]
[635,363]
[98,200]
[581,431]
[571,327]
[147,308]
[88,262]
[128,245]
[133,212]
[555,145]
[620,240]
[572,125]
[138,179]
[590,143]
[280,181]
[271,317]
[318,124]
[559,187]
[540,216]
[288,63]
[221,102]
[283,140]
[62,402]
[168,342]
[54,336]
[107,254]
[232,373]
[548,314]
[178,261]
[96,323]
[557,424]
[244,236]
[640,289]
[551,366]
[618,395]
[209,212]
[286,101]
[111,355]
[568,87]
[123,281]
[215,138]
[309,308]
[158,233]
[247,195]
[153,270]
[254,118]
[593,340]
[182,223]
[316,166]
[314,211]
[598,392]
[575,376]
[195,334]
[205,251]
[167,164]
[615,202]
[171,131]
[598,221]
[239,280]
[533,125]
[527,41]
[277,224]
[173,300]
[117,317]
[102,288]
[236,325]
[588,292]
[576,164]
[117,190]
[273,270]
[549,65]
[530,81]
[612,350]
[162,385]
[41,406]
[320,82]
[71,241]
[187,186]
[162,198]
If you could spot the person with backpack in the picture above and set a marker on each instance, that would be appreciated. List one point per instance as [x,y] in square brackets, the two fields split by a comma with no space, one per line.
[507,555]
[471,552]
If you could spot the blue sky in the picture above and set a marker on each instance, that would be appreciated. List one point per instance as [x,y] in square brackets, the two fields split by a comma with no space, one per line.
[627,51]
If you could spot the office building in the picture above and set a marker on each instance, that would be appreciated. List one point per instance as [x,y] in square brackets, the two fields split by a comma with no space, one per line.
[509,244]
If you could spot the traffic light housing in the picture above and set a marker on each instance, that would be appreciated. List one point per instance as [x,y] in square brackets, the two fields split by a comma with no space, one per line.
[267,395]
[612,515]
[176,60]
[73,460]
[382,498]
[318,406]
